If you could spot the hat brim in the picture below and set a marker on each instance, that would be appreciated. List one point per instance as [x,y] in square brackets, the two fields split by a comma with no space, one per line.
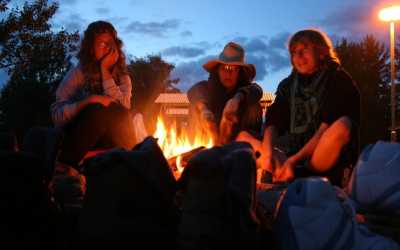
[249,68]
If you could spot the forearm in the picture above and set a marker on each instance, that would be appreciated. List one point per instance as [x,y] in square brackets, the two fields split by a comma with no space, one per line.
[251,93]
[269,139]
[308,149]
[105,74]
[121,93]
[62,112]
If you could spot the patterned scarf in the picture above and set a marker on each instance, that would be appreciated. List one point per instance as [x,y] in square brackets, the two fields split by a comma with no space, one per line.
[306,99]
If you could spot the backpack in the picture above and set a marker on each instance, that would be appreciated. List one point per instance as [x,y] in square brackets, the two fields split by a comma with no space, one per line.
[315,215]
[375,181]
[218,204]
[129,199]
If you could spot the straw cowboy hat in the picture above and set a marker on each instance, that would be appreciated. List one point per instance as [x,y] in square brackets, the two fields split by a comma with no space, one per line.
[233,54]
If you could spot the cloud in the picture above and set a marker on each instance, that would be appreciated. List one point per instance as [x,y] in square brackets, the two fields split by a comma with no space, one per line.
[356,20]
[156,29]
[255,45]
[185,52]
[186,33]
[102,11]
[73,22]
[191,72]
[67,2]
[117,21]
[279,41]
[268,55]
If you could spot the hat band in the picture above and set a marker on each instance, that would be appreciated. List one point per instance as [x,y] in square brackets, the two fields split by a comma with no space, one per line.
[231,58]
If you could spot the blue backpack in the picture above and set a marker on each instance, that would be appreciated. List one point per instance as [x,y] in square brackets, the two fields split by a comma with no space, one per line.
[315,215]
[375,181]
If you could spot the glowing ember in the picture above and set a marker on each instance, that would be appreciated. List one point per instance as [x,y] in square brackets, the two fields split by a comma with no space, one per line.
[173,144]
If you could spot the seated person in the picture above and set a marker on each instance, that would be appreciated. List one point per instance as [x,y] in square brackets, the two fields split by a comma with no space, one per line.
[93,100]
[228,102]
[314,119]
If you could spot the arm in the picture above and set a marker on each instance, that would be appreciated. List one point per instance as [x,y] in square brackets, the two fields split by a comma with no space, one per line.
[122,93]
[251,93]
[285,173]
[247,95]
[65,107]
[308,149]
[198,98]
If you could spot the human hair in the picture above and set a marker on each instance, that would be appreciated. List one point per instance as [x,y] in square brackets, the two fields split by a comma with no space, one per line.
[87,60]
[320,42]
[244,76]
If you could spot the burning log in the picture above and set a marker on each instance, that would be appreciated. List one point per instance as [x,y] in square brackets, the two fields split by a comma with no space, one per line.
[178,147]
[178,163]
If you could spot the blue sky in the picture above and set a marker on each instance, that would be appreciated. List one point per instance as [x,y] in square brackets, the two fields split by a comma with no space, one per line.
[188,33]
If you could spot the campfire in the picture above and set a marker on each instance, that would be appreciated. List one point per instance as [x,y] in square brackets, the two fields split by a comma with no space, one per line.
[178,146]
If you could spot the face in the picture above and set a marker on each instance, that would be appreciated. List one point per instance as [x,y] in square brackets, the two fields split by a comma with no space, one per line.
[304,58]
[228,75]
[103,43]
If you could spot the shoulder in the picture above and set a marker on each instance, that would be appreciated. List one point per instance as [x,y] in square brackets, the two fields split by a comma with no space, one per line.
[75,74]
[200,84]
[343,79]
[284,85]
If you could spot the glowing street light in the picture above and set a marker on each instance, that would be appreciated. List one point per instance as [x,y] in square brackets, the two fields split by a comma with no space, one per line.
[392,14]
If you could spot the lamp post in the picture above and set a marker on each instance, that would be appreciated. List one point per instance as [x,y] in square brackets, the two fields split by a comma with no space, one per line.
[391,15]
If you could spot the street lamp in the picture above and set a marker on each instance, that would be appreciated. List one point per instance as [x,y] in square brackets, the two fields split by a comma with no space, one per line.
[392,14]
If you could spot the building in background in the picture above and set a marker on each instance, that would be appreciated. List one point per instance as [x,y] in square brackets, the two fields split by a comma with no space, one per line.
[175,106]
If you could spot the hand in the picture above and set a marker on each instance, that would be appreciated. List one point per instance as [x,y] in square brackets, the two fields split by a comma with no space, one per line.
[230,109]
[208,123]
[101,99]
[226,128]
[109,59]
[207,115]
[285,173]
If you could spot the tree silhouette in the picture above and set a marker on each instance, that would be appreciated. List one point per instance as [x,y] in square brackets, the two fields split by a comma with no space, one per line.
[36,59]
[150,77]
[367,63]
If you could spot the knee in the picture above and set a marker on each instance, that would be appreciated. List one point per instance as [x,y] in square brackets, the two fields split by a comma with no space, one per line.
[243,136]
[119,113]
[339,131]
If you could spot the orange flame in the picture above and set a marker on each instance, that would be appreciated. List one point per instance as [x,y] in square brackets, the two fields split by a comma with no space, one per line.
[173,144]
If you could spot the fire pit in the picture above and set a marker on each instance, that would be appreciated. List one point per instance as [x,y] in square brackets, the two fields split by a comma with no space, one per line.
[178,148]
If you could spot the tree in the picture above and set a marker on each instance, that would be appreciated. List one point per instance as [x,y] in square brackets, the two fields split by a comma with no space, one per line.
[367,63]
[36,59]
[150,77]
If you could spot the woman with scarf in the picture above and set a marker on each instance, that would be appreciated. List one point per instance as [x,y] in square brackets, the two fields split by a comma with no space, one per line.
[314,120]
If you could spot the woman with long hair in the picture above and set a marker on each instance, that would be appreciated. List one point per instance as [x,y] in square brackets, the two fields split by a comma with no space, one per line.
[93,100]
[228,102]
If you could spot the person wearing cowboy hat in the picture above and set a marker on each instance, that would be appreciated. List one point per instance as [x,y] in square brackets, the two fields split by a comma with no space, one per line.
[228,102]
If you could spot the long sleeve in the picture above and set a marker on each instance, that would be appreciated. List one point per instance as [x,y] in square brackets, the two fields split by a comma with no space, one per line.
[252,93]
[199,92]
[65,106]
[122,93]
[278,114]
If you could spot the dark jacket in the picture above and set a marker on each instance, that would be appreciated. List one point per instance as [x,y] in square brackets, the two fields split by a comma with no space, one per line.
[336,95]
[215,96]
